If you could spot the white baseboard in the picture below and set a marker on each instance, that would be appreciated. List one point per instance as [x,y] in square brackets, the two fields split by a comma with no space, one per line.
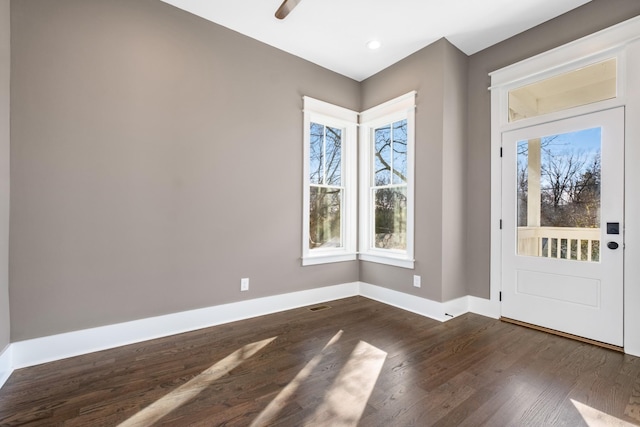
[6,364]
[55,347]
[441,311]
[484,307]
[32,352]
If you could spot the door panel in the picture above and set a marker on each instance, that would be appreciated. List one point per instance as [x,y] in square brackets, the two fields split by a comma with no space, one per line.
[578,290]
[562,187]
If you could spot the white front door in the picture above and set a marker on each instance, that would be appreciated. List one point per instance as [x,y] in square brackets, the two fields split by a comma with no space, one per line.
[562,234]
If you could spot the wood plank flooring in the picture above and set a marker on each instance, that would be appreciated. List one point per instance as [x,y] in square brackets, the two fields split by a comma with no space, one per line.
[358,363]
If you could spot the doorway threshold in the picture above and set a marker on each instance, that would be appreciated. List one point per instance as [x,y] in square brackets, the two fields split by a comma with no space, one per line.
[563,334]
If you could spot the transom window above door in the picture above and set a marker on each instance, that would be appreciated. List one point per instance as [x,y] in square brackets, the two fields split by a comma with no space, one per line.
[582,86]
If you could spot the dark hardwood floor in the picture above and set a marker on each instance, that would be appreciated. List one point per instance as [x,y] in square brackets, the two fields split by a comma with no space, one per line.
[359,362]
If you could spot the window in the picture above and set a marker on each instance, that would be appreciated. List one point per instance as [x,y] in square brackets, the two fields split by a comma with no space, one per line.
[582,86]
[387,181]
[329,219]
[386,163]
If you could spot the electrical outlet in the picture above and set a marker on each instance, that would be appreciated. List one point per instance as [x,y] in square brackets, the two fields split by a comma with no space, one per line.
[244,284]
[416,281]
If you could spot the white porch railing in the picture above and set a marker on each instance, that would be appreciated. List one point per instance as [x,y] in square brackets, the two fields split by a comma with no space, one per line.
[582,244]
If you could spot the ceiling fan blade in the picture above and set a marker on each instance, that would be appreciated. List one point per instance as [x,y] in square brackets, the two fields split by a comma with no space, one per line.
[286,7]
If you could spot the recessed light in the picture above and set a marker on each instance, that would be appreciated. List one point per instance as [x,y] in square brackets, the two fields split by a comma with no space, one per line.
[374,44]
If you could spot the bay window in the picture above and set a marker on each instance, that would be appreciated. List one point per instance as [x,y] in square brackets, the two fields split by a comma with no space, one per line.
[331,213]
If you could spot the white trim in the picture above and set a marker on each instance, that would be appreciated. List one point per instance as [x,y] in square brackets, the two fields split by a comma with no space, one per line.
[55,347]
[441,311]
[388,259]
[632,205]
[580,61]
[392,107]
[329,110]
[595,45]
[318,258]
[6,364]
[495,269]
[564,114]
[484,307]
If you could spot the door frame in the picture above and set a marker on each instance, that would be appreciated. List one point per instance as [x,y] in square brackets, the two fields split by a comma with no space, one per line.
[622,41]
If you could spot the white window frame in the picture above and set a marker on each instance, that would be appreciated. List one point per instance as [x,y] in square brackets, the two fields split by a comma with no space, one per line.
[400,108]
[316,111]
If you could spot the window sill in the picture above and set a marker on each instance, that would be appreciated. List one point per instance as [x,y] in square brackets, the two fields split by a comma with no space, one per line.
[328,258]
[388,260]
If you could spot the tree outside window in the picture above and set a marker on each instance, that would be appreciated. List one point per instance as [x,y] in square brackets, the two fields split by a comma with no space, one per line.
[390,186]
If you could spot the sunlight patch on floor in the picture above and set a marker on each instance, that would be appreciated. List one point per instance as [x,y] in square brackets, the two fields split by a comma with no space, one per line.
[281,400]
[596,418]
[195,386]
[345,401]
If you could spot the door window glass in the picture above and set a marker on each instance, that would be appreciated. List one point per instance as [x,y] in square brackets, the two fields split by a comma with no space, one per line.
[559,195]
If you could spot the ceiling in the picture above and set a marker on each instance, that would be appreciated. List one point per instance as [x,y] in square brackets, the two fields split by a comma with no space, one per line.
[334,33]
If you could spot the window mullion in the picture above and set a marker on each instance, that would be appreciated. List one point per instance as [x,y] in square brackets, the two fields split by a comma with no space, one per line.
[324,155]
[391,154]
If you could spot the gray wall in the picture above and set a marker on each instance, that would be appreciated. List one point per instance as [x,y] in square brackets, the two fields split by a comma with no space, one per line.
[4,172]
[592,17]
[156,160]
[454,157]
[438,73]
